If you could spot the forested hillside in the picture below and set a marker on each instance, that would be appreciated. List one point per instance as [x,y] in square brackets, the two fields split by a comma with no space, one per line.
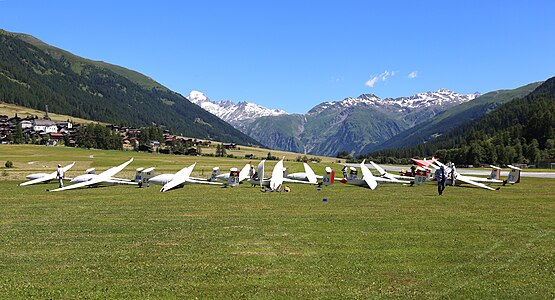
[522,130]
[34,78]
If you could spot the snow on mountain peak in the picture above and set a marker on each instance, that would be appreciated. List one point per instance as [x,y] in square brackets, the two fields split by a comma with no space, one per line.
[232,112]
[441,97]
[196,96]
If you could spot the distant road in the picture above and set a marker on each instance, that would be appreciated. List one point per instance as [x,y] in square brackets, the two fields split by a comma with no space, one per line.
[397,169]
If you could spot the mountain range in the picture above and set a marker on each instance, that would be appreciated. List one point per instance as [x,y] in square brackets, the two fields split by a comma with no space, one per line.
[234,114]
[522,130]
[447,120]
[34,74]
[354,125]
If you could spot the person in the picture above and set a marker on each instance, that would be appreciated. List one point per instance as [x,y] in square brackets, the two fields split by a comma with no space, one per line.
[60,175]
[412,174]
[251,172]
[453,174]
[441,179]
[344,171]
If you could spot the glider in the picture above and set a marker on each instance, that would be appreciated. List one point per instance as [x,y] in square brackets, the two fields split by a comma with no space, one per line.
[461,178]
[105,177]
[368,180]
[179,179]
[275,182]
[243,174]
[44,177]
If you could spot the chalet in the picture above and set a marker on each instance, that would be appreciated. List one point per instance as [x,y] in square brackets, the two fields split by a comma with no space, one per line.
[26,124]
[56,136]
[229,146]
[66,125]
[46,126]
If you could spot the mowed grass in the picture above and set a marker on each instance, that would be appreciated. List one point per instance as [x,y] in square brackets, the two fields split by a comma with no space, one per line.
[211,242]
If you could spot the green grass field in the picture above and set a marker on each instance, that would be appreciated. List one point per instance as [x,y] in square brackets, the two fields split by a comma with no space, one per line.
[211,242]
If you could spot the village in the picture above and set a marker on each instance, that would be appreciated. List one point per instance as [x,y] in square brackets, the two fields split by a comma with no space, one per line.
[31,129]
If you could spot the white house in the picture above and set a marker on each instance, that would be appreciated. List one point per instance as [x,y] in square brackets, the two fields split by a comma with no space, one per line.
[67,125]
[26,124]
[46,126]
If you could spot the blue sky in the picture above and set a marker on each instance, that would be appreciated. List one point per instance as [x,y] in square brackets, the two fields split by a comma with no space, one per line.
[293,55]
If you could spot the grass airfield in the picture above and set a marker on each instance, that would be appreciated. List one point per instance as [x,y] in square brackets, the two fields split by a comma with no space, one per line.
[211,242]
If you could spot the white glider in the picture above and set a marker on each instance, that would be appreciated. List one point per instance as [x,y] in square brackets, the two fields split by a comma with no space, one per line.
[308,175]
[275,182]
[462,178]
[243,174]
[44,177]
[385,174]
[105,177]
[179,179]
[368,180]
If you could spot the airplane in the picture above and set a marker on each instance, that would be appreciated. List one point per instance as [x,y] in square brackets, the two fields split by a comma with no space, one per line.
[368,180]
[385,174]
[179,179]
[275,182]
[461,178]
[105,177]
[308,175]
[44,177]
[389,178]
[243,174]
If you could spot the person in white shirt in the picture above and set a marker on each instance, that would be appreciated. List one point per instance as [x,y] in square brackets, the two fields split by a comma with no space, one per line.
[60,175]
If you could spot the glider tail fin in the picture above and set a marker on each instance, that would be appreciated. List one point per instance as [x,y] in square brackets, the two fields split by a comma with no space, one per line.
[329,177]
[215,172]
[143,176]
[495,173]
[233,179]
[514,175]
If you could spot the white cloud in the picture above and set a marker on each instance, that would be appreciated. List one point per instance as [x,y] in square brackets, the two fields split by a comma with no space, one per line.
[382,77]
[372,81]
[413,74]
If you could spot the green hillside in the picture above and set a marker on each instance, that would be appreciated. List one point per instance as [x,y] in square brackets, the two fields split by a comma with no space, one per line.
[77,63]
[34,77]
[447,120]
[522,130]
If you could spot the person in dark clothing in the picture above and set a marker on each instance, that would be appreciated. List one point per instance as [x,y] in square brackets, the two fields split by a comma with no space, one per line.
[441,179]
[412,174]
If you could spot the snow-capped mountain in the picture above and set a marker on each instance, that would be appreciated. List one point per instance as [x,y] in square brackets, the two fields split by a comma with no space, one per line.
[355,125]
[439,98]
[233,113]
